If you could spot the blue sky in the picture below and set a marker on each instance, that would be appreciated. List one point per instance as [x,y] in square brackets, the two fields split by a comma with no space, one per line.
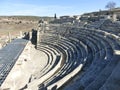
[50,7]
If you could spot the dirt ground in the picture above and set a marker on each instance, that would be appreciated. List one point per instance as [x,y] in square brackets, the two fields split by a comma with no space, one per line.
[14,26]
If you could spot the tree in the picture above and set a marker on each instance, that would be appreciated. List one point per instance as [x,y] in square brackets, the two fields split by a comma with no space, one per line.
[55,17]
[110,5]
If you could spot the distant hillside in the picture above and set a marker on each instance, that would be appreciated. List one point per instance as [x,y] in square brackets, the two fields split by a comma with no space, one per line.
[28,18]
[14,24]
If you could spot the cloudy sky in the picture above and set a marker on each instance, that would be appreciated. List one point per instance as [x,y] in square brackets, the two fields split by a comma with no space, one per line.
[50,7]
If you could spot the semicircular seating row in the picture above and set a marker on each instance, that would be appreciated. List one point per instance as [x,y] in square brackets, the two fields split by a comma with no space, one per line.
[100,71]
[85,59]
